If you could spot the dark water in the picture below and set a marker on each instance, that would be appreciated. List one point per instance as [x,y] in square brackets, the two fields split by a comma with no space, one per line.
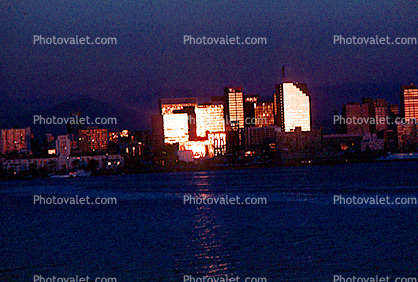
[150,235]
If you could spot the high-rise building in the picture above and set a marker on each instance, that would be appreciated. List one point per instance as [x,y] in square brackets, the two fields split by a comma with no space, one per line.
[235,108]
[409,103]
[176,128]
[191,120]
[357,111]
[264,114]
[209,119]
[15,140]
[179,119]
[359,117]
[93,139]
[73,128]
[169,105]
[250,102]
[292,107]
[381,110]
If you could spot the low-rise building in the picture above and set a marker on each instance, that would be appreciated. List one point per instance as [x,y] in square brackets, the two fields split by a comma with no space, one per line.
[370,142]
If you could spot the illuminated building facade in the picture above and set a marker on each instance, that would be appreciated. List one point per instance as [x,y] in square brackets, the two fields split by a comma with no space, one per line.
[200,149]
[235,108]
[209,118]
[218,142]
[167,106]
[264,114]
[409,103]
[93,139]
[292,107]
[15,140]
[179,120]
[113,137]
[197,128]
[176,128]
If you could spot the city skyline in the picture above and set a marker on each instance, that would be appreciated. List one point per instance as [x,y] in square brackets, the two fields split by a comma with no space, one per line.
[208,140]
[207,130]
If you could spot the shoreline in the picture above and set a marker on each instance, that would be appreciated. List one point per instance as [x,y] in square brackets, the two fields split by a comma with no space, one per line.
[215,167]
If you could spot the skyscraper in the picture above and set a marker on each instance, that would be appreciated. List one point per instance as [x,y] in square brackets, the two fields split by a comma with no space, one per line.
[235,108]
[209,119]
[360,112]
[292,106]
[381,110]
[179,119]
[250,102]
[264,114]
[176,128]
[409,102]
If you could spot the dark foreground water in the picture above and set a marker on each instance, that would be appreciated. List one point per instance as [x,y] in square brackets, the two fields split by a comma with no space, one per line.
[150,235]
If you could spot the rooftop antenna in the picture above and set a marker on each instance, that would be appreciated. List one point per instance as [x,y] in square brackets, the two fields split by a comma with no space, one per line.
[283,73]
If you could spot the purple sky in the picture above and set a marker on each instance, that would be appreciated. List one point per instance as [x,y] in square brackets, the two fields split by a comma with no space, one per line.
[150,60]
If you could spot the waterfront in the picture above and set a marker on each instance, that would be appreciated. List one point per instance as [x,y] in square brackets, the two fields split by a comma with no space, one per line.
[150,235]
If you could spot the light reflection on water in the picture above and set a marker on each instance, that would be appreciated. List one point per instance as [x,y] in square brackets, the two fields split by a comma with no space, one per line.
[151,235]
[208,234]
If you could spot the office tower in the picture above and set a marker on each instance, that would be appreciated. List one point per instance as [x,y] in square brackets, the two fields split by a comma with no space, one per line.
[15,140]
[179,120]
[209,119]
[264,114]
[93,139]
[235,108]
[356,114]
[191,120]
[409,103]
[292,107]
[176,128]
[381,110]
[169,105]
[361,118]
[250,102]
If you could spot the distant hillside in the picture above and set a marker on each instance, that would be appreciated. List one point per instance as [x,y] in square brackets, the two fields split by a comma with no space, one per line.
[126,118]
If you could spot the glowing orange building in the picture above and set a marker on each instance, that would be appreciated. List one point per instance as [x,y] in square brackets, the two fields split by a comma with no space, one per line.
[409,102]
[292,107]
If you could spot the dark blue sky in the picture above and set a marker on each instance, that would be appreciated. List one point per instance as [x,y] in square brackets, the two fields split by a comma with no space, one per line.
[150,61]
